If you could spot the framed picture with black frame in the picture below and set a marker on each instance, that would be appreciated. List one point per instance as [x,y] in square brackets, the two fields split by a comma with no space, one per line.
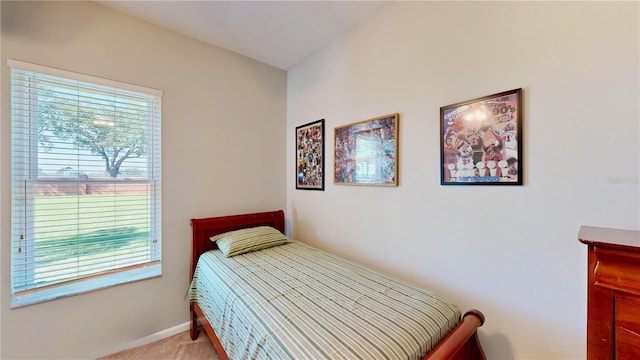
[310,156]
[481,140]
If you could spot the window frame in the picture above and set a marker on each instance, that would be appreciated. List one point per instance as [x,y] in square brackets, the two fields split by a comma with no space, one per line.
[97,280]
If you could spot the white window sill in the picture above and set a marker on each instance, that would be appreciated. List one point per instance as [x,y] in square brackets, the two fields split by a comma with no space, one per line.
[84,286]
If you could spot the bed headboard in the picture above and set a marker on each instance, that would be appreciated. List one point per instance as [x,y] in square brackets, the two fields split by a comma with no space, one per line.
[203,229]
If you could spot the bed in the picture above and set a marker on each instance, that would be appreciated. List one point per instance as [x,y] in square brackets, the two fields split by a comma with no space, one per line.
[365,327]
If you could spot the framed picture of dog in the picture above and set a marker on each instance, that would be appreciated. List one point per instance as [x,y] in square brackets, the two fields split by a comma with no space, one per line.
[481,141]
[310,156]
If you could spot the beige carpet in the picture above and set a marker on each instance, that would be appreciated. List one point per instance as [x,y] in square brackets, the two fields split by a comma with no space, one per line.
[177,347]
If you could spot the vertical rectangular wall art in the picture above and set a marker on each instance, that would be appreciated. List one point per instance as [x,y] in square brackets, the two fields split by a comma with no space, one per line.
[481,141]
[366,152]
[310,156]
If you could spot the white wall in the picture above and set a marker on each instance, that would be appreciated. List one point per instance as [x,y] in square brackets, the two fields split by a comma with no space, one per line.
[223,152]
[511,252]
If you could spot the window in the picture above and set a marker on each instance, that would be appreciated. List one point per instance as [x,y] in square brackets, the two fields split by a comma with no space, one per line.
[86,191]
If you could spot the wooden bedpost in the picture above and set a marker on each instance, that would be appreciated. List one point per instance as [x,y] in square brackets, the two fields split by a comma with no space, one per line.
[193,330]
[463,343]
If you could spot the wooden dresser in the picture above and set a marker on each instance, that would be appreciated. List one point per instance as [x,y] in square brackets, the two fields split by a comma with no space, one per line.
[613,293]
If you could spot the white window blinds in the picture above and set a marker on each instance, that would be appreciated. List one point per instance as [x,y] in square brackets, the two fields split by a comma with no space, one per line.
[86,191]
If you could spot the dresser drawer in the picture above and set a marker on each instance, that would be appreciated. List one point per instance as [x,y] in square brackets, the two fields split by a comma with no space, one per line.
[627,329]
[617,270]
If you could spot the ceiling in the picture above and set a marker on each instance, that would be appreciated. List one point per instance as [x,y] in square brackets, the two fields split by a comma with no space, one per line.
[278,33]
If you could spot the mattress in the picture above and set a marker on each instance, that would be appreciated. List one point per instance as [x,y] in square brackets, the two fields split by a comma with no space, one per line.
[294,301]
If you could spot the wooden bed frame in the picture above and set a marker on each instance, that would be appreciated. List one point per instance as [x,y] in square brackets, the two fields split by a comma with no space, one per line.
[461,343]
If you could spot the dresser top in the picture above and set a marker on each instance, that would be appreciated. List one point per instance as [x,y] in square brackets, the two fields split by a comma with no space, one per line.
[607,237]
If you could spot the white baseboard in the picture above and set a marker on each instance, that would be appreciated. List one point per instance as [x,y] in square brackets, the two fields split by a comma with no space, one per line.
[163,334]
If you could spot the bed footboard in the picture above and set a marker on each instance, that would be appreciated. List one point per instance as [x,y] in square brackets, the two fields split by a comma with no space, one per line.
[462,342]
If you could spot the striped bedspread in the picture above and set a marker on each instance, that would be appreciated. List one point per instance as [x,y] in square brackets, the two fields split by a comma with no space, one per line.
[296,302]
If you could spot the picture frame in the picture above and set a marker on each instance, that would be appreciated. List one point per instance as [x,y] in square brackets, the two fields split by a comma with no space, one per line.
[481,140]
[310,156]
[366,152]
